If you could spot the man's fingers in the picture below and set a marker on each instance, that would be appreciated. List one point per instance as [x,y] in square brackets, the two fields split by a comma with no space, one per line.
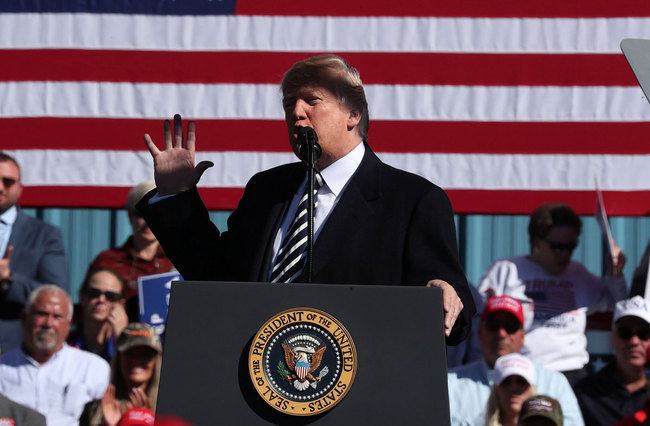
[451,303]
[190,143]
[178,131]
[153,149]
[452,313]
[202,167]
[7,255]
[167,134]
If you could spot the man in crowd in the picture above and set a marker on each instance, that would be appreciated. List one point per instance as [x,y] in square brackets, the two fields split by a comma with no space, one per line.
[46,374]
[642,416]
[373,224]
[619,389]
[31,254]
[501,332]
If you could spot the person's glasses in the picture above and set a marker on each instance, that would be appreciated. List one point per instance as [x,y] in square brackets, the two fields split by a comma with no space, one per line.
[494,326]
[8,182]
[560,247]
[626,333]
[111,296]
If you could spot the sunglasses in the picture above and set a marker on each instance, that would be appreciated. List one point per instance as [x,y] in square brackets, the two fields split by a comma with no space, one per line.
[8,182]
[495,325]
[626,333]
[560,247]
[111,296]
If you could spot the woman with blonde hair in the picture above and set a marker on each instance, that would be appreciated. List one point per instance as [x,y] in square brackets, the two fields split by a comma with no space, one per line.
[135,377]
[514,382]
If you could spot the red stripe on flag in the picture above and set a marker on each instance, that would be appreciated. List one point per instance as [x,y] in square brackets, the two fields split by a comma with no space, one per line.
[375,68]
[468,8]
[113,197]
[634,203]
[385,136]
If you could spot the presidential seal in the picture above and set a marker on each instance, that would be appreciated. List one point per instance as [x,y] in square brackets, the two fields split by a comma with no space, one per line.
[302,361]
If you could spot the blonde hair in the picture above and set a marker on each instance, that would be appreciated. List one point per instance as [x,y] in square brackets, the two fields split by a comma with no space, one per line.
[492,411]
[336,75]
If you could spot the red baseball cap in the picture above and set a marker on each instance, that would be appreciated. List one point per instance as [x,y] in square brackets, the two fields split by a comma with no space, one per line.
[505,304]
[137,417]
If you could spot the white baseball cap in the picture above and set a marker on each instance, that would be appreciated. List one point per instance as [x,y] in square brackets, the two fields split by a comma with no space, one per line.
[514,364]
[634,307]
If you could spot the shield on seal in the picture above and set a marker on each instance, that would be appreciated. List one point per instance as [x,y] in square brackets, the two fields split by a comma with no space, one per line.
[302,369]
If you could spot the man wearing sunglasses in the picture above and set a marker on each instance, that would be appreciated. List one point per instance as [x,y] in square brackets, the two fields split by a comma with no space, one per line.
[557,293]
[619,389]
[31,254]
[501,332]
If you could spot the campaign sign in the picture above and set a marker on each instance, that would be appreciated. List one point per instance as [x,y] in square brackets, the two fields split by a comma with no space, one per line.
[153,294]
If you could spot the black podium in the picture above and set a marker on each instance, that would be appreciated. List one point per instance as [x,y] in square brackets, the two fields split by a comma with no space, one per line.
[397,331]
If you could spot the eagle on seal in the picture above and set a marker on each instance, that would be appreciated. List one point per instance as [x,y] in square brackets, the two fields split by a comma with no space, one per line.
[298,362]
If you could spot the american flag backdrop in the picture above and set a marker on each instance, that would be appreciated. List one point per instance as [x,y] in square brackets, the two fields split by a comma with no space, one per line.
[505,104]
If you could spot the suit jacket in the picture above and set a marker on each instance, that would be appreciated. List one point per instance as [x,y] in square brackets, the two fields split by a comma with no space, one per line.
[38,258]
[390,227]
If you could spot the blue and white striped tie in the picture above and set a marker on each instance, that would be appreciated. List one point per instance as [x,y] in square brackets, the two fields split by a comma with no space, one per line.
[293,253]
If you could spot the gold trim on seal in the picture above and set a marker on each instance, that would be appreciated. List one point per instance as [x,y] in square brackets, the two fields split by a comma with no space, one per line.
[318,401]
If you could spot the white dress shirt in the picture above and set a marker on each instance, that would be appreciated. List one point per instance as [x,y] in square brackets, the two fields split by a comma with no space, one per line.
[60,388]
[7,220]
[336,178]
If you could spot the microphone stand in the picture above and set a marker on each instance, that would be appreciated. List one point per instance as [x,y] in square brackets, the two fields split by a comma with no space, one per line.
[313,152]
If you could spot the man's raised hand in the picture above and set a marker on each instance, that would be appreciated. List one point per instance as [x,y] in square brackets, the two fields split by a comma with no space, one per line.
[174,169]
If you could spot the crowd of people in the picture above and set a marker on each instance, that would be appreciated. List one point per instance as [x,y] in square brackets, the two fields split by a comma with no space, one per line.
[536,306]
[89,364]
[524,362]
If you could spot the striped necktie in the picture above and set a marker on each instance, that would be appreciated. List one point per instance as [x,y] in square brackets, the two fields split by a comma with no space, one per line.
[293,253]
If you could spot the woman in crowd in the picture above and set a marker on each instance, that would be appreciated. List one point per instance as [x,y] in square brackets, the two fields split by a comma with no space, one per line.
[101,316]
[140,255]
[135,377]
[514,382]
[556,292]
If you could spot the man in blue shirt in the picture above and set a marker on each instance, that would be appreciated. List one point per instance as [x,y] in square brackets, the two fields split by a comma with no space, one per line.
[501,332]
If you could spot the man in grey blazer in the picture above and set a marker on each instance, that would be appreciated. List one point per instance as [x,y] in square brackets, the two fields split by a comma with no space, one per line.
[31,254]
[373,224]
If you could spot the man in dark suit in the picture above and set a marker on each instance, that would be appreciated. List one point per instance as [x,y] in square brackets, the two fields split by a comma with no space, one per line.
[31,254]
[373,224]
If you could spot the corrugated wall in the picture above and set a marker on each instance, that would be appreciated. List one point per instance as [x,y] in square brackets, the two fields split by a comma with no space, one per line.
[482,238]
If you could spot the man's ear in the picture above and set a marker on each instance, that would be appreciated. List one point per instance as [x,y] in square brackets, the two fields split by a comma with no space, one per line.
[354,117]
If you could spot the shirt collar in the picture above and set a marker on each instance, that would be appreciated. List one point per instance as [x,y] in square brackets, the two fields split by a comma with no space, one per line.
[337,174]
[54,356]
[9,217]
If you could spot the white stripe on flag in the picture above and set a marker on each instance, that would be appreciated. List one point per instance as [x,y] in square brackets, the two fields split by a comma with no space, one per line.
[450,171]
[262,101]
[318,34]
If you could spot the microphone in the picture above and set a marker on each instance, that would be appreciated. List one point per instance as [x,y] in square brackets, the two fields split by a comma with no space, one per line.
[308,139]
